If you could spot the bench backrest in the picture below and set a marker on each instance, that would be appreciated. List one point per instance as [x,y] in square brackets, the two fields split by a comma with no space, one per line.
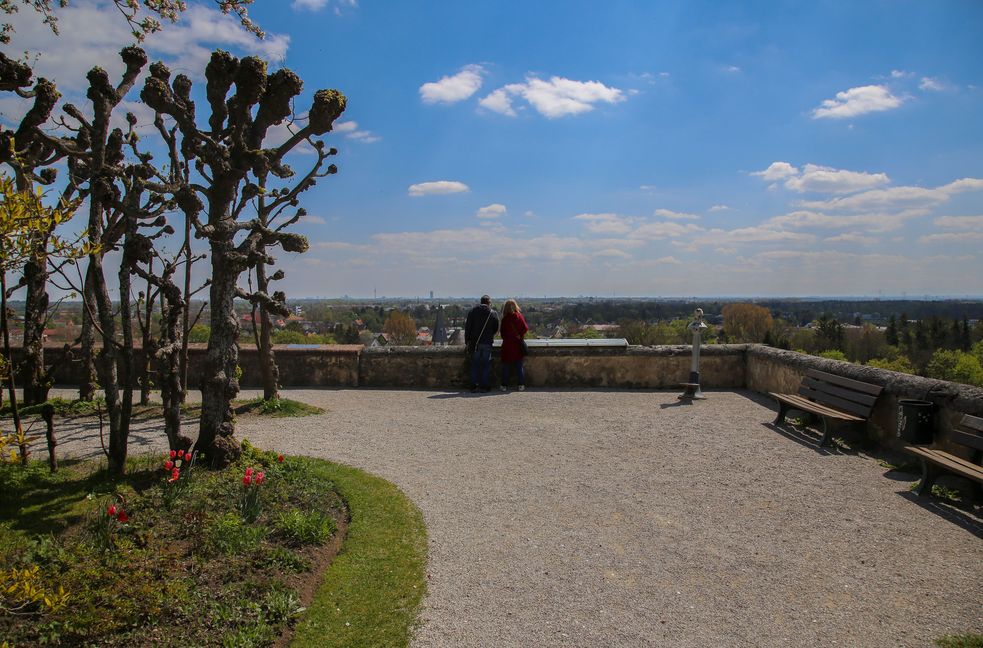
[969,432]
[844,394]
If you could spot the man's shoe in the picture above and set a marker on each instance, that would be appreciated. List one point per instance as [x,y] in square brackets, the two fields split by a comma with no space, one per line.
[522,388]
[503,388]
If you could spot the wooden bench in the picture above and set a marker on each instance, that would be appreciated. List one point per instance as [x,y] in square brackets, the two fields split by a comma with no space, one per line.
[831,397]
[967,433]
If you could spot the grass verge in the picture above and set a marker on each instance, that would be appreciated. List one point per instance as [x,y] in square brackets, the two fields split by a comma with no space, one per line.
[276,407]
[371,594]
[960,641]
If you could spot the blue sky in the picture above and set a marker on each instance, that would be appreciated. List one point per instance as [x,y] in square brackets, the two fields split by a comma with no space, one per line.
[619,148]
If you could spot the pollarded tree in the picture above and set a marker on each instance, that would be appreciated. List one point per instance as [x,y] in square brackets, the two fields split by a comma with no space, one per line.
[230,156]
[400,328]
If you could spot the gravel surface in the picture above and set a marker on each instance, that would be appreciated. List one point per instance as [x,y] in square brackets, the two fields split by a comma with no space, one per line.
[622,518]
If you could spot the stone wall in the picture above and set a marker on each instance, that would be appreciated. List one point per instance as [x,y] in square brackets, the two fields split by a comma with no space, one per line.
[774,370]
[629,368]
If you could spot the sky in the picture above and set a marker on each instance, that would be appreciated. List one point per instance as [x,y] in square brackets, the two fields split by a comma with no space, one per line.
[611,149]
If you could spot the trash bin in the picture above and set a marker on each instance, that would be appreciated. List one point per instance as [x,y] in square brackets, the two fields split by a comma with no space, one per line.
[916,421]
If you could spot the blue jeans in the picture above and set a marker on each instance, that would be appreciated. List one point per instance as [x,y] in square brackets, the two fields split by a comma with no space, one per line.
[506,366]
[481,365]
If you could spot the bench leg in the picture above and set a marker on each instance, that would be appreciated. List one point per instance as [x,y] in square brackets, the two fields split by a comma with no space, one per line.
[929,474]
[826,433]
[782,408]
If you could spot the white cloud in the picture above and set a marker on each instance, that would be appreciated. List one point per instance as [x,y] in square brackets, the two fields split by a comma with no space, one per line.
[493,210]
[437,187]
[606,223]
[900,74]
[776,171]
[852,237]
[558,97]
[823,179]
[951,237]
[451,89]
[311,219]
[719,208]
[499,101]
[668,213]
[857,101]
[351,130]
[612,253]
[732,69]
[872,221]
[310,5]
[928,83]
[664,229]
[960,222]
[896,197]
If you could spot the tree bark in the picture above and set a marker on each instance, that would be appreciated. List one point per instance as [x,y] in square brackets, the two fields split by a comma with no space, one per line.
[35,377]
[87,339]
[267,360]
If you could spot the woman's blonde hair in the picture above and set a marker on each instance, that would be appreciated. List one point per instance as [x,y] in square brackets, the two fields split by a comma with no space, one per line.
[510,307]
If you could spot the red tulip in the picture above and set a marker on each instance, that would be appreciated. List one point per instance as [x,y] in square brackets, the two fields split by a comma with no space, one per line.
[180,454]
[246,479]
[174,478]
[175,473]
[260,476]
[168,464]
[111,511]
[249,471]
[123,517]
[173,454]
[279,458]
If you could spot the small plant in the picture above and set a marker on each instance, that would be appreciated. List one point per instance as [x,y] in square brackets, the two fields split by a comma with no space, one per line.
[270,406]
[249,503]
[177,481]
[287,560]
[229,536]
[312,528]
[110,523]
[960,641]
[22,591]
[280,605]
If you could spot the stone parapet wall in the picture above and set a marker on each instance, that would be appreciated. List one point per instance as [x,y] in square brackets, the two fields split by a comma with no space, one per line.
[628,368]
[775,370]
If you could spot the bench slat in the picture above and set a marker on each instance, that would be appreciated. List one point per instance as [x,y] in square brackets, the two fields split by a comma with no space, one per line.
[856,385]
[949,462]
[835,401]
[842,392]
[971,422]
[968,439]
[807,405]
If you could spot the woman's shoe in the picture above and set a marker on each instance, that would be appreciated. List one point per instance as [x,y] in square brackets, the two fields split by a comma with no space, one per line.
[522,388]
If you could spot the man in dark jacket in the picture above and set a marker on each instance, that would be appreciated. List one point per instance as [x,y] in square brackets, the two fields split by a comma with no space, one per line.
[479,333]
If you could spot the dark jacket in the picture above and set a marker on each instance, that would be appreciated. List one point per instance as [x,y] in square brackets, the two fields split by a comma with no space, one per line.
[476,320]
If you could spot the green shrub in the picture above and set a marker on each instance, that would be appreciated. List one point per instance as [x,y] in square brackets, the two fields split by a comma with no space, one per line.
[300,528]
[833,354]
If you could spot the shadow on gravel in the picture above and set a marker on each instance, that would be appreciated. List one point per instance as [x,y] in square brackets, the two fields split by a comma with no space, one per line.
[469,394]
[804,439]
[964,519]
[676,403]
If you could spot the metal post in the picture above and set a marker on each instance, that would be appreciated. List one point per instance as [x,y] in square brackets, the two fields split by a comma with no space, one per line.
[697,326]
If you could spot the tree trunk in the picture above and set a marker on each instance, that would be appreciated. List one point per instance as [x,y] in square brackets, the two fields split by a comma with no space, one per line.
[220,380]
[35,378]
[267,360]
[106,366]
[87,339]
[170,363]
[4,329]
[126,367]
[147,344]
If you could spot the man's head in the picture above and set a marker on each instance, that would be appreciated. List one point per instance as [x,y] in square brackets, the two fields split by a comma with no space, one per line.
[485,299]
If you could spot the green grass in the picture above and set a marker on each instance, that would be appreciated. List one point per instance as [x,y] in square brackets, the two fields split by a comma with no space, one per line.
[960,641]
[64,407]
[371,594]
[277,408]
[903,467]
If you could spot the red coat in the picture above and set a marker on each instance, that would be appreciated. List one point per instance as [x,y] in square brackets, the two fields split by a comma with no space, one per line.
[514,328]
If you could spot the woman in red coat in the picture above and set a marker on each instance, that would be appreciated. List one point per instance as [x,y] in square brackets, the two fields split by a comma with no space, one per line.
[513,329]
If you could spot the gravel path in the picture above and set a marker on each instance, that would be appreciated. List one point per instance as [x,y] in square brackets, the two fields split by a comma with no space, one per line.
[620,518]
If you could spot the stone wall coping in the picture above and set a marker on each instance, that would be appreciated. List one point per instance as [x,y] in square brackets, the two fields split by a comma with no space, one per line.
[633,350]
